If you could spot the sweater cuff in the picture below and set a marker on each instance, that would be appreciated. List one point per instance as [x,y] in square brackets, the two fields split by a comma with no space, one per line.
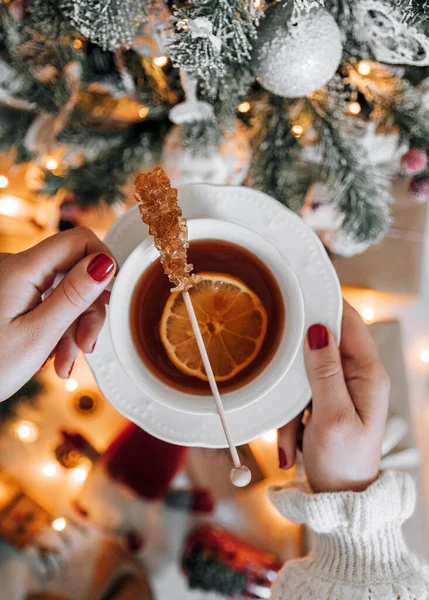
[390,499]
[357,532]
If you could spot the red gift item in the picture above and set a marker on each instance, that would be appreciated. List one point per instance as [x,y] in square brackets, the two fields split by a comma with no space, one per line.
[215,560]
[143,463]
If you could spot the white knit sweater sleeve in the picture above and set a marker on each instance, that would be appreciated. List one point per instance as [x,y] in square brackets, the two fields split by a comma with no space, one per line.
[359,552]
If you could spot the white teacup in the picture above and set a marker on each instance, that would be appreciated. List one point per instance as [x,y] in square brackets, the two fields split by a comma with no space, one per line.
[119,319]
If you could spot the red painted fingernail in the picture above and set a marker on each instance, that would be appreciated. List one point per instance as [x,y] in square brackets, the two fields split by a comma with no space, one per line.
[71,369]
[44,364]
[282,458]
[318,337]
[52,354]
[92,348]
[100,267]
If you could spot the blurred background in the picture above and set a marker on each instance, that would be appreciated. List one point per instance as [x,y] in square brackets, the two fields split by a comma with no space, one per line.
[322,105]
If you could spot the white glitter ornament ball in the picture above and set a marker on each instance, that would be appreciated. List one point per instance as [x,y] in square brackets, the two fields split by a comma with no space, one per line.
[293,59]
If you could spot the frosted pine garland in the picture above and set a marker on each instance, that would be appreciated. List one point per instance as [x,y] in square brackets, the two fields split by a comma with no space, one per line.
[109,23]
[232,22]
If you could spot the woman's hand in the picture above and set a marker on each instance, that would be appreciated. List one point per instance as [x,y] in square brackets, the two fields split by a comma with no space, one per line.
[342,438]
[67,321]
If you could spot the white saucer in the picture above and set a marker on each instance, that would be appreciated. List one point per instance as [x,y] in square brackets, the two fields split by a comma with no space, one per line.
[323,304]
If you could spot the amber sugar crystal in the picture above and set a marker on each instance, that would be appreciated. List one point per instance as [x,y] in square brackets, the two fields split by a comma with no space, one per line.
[160,210]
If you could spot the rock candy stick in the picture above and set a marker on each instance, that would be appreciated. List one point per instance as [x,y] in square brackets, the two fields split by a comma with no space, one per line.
[160,211]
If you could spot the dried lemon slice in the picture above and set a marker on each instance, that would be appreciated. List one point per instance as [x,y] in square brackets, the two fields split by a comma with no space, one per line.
[233,323]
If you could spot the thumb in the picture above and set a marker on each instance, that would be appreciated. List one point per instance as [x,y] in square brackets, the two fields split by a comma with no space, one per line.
[82,285]
[325,374]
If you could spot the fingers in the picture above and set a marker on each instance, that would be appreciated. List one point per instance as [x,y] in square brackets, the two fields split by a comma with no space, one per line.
[90,324]
[66,352]
[287,441]
[58,253]
[79,289]
[365,376]
[356,345]
[331,400]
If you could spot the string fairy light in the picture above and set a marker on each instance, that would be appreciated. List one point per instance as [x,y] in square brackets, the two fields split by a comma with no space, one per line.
[297,131]
[50,469]
[27,431]
[79,474]
[368,314]
[11,206]
[59,524]
[51,164]
[71,385]
[364,67]
[4,181]
[244,107]
[77,44]
[143,111]
[160,61]
[354,108]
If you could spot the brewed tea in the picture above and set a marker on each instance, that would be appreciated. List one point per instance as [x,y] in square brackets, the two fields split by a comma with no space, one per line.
[153,291]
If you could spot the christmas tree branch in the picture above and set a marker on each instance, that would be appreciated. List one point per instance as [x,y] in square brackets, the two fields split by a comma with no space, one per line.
[100,179]
[111,24]
[361,191]
[213,41]
[277,169]
[414,12]
[13,127]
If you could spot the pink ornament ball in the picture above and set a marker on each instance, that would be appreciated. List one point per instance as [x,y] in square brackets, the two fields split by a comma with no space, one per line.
[419,188]
[414,161]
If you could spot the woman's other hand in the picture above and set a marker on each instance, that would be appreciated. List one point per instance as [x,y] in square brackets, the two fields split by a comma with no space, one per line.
[68,320]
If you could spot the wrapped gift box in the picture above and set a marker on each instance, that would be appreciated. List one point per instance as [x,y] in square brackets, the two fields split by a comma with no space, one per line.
[215,560]
[394,265]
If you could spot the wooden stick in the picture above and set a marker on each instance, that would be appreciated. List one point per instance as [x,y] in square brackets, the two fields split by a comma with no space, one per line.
[240,474]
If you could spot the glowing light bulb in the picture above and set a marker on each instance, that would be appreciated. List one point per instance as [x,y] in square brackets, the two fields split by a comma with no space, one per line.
[26,431]
[77,44]
[143,111]
[59,524]
[270,436]
[257,3]
[364,67]
[244,107]
[51,164]
[368,314]
[71,385]
[11,206]
[297,130]
[160,61]
[4,181]
[424,356]
[183,24]
[79,474]
[50,470]
[354,108]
